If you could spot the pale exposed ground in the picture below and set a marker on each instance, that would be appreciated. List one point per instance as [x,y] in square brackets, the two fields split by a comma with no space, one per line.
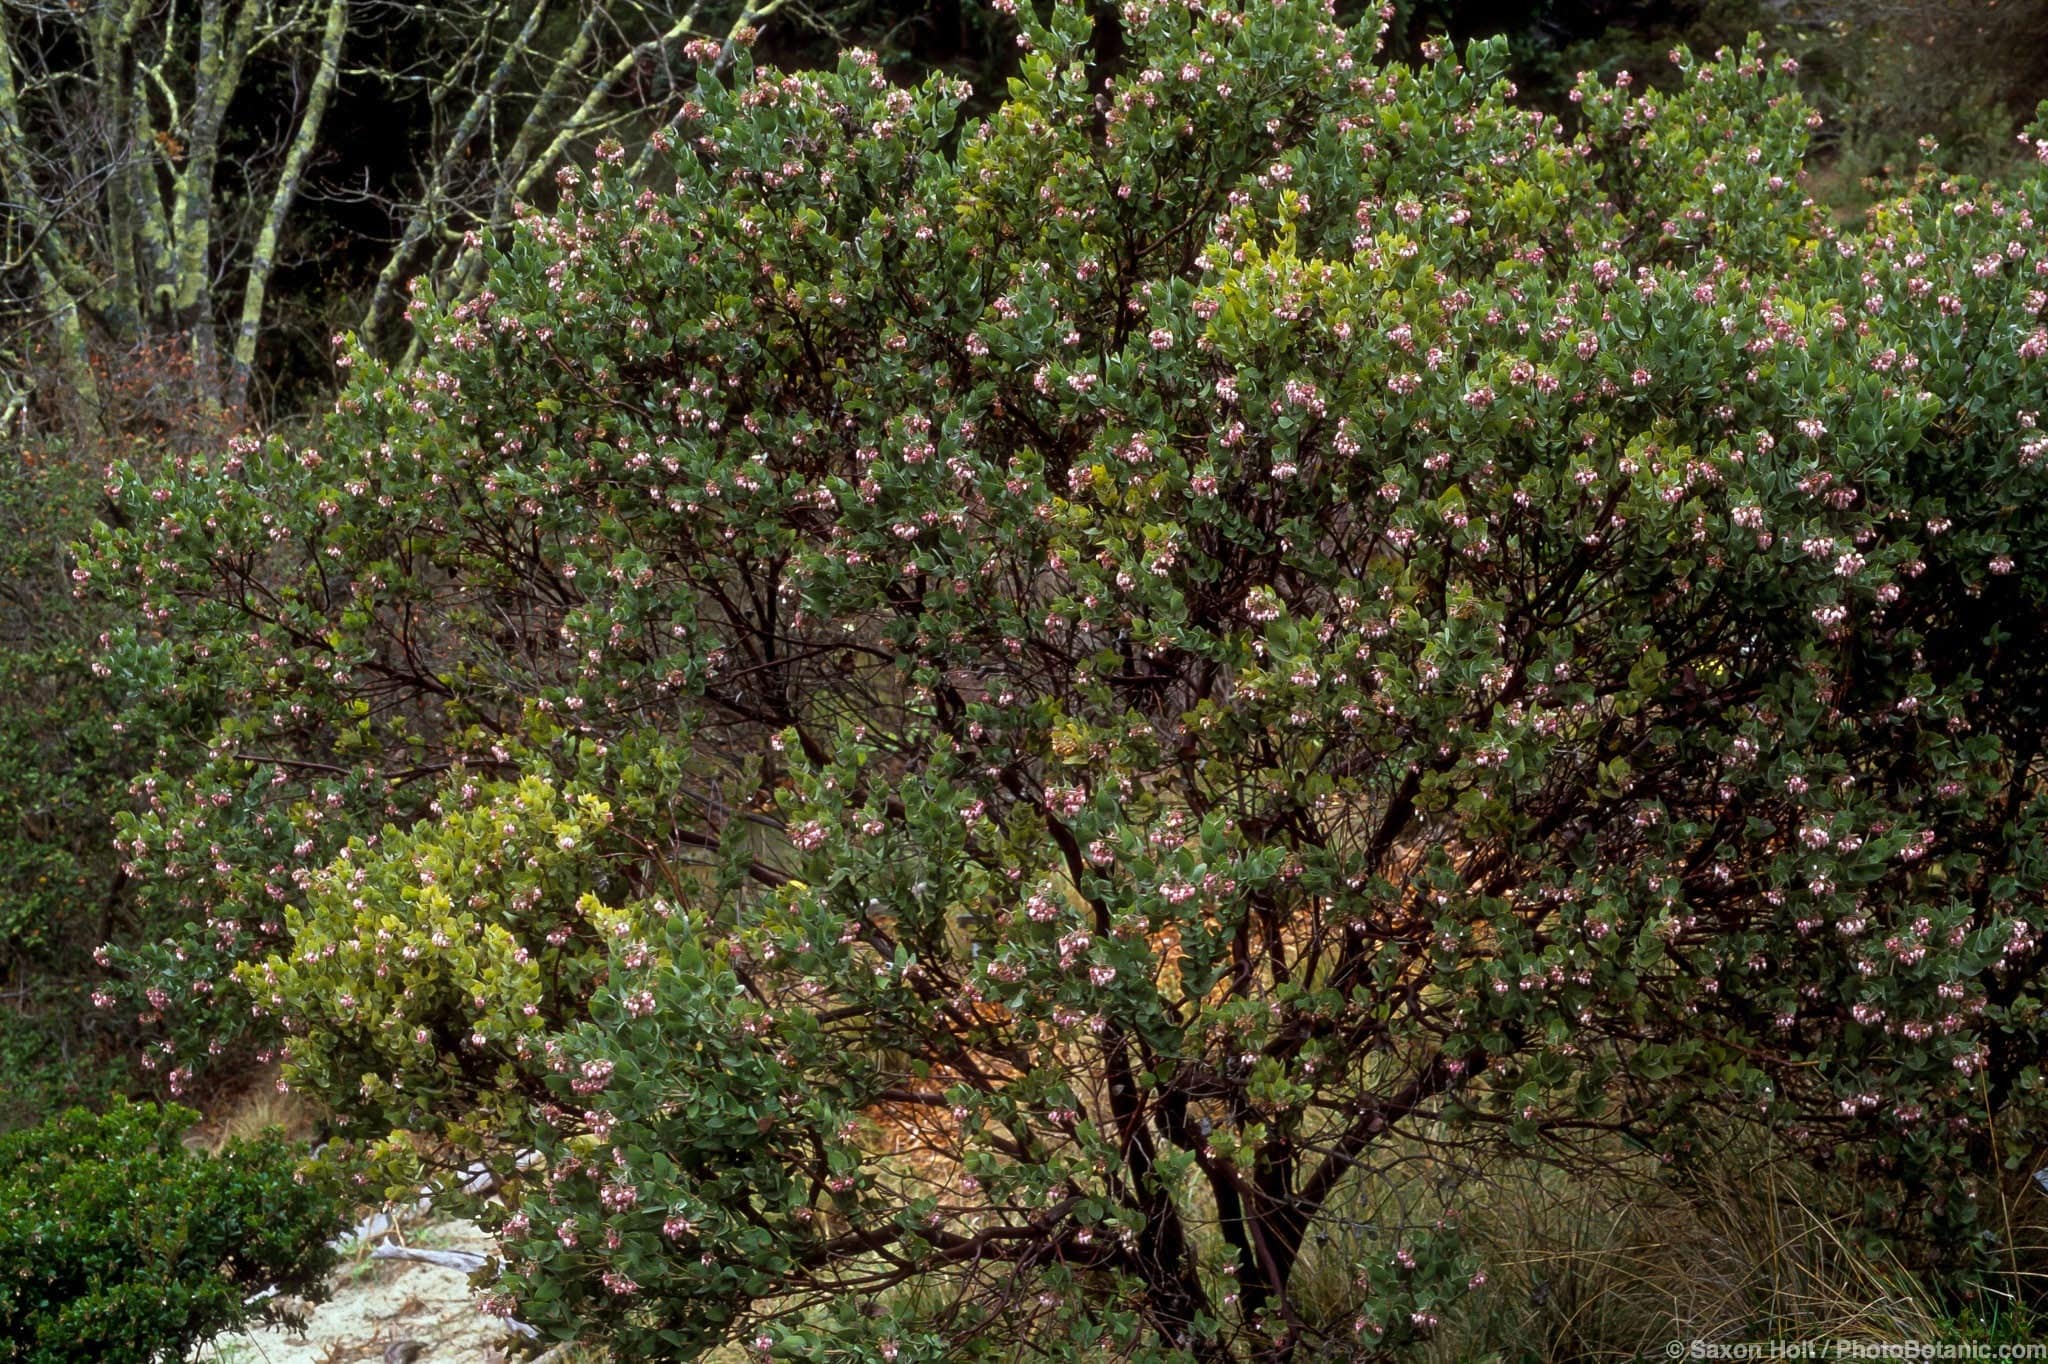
[378,1304]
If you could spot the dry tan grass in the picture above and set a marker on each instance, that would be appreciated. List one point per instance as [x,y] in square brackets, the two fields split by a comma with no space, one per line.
[1754,1248]
[251,1108]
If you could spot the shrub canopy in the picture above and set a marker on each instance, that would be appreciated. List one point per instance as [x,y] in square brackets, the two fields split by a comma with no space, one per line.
[118,1242]
[1018,715]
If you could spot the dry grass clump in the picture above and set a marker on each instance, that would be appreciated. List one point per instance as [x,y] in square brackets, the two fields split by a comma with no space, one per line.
[252,1107]
[1749,1247]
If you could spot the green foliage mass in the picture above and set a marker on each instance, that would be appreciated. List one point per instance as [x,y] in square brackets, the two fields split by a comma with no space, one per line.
[930,735]
[118,1242]
[1886,74]
[71,735]
[92,704]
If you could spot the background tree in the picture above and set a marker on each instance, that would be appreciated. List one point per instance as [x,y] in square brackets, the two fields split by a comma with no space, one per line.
[156,157]
[962,726]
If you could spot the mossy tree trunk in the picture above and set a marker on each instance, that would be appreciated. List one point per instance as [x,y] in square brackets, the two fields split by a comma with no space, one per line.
[135,214]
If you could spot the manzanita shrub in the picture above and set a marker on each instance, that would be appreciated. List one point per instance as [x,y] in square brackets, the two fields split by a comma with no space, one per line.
[941,739]
[117,1242]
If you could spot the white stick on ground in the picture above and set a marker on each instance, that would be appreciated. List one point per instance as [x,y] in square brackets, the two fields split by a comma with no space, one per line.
[468,1261]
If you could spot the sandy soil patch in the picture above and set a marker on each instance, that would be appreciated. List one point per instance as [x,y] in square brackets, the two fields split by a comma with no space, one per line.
[378,1306]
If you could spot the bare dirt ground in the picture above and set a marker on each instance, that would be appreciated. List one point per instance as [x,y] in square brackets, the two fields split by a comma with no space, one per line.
[378,1306]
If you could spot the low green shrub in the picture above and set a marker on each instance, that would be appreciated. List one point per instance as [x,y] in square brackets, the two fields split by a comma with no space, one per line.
[119,1243]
